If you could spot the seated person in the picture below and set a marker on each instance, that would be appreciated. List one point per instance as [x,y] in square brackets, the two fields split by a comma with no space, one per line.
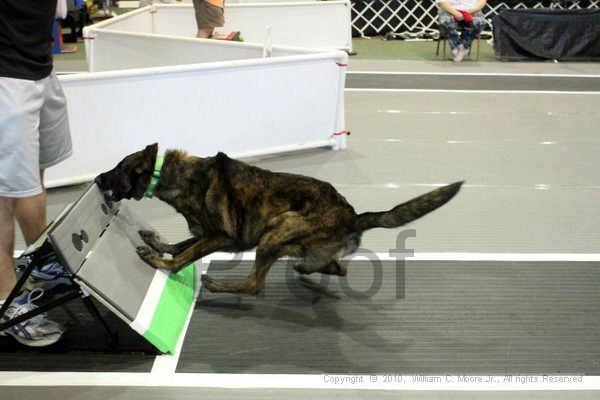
[460,21]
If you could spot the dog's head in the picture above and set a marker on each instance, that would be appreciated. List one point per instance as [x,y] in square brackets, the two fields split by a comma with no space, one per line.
[130,178]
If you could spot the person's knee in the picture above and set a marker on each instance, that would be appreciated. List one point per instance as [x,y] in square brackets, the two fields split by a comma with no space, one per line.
[449,26]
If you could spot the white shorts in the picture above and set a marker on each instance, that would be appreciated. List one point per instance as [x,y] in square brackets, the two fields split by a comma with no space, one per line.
[34,133]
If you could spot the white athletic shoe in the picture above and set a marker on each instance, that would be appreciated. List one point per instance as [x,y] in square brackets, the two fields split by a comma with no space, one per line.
[47,277]
[38,331]
[461,53]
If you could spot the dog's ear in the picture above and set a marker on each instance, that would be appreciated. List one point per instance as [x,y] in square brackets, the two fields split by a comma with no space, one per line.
[153,148]
[149,156]
[151,151]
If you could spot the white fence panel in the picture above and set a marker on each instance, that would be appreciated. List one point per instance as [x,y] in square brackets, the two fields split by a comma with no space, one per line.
[115,50]
[245,108]
[319,24]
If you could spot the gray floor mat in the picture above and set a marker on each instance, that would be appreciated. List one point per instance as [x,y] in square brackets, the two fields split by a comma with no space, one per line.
[456,317]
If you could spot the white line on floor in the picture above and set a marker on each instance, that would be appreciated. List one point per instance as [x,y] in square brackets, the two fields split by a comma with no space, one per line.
[454,256]
[474,74]
[469,91]
[440,256]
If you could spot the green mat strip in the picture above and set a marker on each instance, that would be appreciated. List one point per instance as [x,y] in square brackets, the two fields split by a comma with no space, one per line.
[172,310]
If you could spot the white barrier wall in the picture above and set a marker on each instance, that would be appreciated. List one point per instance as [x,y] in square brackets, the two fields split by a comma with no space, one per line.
[133,21]
[116,50]
[244,108]
[318,24]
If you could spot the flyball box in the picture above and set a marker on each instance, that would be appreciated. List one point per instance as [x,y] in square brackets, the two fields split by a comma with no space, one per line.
[96,241]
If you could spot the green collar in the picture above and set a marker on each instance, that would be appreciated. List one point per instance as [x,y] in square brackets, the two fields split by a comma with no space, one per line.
[155,177]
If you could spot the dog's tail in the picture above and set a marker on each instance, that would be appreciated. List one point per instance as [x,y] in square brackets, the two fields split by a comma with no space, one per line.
[409,211]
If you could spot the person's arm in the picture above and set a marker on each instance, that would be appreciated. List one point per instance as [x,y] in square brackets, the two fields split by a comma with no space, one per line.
[478,6]
[451,10]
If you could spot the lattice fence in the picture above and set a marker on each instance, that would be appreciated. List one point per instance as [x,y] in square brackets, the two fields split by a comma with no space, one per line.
[418,18]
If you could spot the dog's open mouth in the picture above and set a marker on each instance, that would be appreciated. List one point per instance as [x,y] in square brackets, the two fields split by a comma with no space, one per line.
[114,195]
[111,195]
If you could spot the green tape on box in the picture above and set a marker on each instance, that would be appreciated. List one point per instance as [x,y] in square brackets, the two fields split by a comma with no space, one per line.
[172,310]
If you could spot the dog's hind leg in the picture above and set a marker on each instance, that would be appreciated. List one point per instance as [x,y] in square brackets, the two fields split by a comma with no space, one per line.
[277,242]
[152,240]
[323,255]
[254,282]
[332,268]
[200,248]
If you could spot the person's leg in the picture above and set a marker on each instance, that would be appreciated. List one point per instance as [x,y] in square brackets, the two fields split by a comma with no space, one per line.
[30,212]
[205,33]
[473,30]
[449,29]
[7,243]
[479,24]
[54,146]
[208,17]
[20,104]
[35,135]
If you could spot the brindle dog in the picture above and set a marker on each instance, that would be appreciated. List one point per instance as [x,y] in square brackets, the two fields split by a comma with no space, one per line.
[232,206]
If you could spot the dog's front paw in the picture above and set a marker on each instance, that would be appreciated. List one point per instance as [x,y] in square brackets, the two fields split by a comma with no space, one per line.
[144,251]
[147,255]
[150,238]
[153,240]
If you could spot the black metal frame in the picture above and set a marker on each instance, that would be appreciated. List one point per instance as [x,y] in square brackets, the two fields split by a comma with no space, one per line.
[41,256]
